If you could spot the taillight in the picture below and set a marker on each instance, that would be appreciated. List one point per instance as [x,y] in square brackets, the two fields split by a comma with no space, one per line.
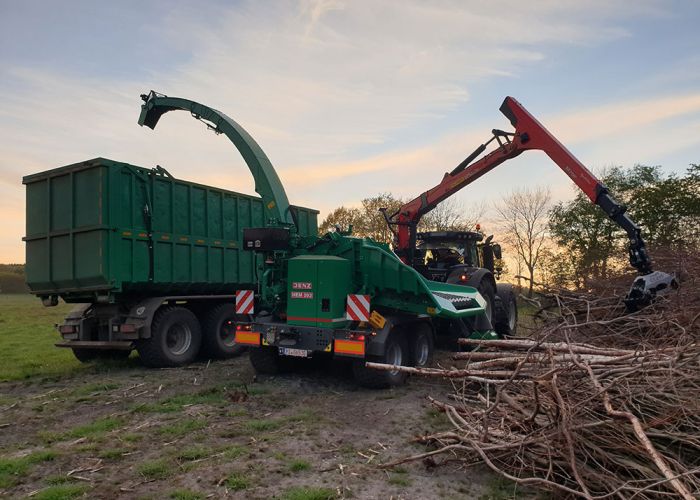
[127,328]
[67,329]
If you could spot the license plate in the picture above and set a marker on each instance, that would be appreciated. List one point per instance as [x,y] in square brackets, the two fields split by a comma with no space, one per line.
[299,353]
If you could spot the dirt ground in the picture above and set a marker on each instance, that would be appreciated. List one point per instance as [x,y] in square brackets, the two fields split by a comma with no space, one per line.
[214,430]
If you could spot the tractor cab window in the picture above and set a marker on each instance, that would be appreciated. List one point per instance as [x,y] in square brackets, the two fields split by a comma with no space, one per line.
[440,256]
[471,256]
[445,254]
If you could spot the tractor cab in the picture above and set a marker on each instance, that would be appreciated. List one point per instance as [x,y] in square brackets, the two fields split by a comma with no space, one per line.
[440,253]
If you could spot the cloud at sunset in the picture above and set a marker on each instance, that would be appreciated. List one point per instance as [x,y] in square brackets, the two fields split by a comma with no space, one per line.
[347,98]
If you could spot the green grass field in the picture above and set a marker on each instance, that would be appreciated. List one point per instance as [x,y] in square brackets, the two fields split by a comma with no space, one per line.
[27,338]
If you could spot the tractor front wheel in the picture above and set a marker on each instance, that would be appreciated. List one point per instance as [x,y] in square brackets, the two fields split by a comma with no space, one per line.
[488,292]
[506,321]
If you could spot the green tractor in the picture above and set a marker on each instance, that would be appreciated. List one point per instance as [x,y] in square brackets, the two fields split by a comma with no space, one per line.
[466,258]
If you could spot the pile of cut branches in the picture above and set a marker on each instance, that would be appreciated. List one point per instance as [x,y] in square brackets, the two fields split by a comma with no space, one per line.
[595,403]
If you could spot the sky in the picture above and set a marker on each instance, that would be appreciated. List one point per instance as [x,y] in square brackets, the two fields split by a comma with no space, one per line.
[347,98]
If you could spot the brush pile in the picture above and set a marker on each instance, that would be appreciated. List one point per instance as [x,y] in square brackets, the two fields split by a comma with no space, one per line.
[595,403]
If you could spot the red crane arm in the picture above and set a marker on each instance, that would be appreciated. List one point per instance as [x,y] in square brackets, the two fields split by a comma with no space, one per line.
[409,214]
[533,135]
[529,134]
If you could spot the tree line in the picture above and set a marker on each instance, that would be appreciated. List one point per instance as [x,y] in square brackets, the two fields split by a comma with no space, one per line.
[666,206]
[562,244]
[565,243]
[368,222]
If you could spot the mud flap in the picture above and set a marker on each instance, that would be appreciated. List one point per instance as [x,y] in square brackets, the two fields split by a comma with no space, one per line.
[479,327]
[474,327]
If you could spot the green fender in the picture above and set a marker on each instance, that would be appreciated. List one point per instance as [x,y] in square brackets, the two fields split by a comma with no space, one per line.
[267,183]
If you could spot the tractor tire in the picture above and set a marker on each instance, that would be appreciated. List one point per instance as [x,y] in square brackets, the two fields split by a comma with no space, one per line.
[87,355]
[488,292]
[422,346]
[219,333]
[506,320]
[265,360]
[396,353]
[175,338]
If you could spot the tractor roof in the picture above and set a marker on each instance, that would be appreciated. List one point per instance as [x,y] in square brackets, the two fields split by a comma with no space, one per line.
[449,236]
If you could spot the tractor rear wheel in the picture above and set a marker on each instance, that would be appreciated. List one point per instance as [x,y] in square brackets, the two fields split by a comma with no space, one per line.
[396,352]
[175,338]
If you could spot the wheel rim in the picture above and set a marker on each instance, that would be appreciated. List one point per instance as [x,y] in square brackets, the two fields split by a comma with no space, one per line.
[178,339]
[422,351]
[512,312]
[394,356]
[227,333]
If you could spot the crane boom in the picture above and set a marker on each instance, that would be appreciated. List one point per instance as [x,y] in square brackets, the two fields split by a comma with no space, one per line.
[529,134]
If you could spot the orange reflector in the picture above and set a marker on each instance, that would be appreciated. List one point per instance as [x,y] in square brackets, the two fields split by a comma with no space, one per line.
[350,347]
[248,338]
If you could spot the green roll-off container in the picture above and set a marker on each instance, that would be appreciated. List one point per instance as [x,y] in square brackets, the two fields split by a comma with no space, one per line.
[100,229]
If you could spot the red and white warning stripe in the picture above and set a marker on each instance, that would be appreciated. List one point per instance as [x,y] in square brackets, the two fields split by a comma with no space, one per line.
[357,308]
[245,303]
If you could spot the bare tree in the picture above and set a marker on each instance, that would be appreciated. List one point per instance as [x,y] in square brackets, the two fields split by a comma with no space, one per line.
[523,218]
[451,215]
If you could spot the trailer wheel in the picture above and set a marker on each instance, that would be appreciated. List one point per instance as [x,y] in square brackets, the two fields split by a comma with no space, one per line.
[220,332]
[506,323]
[422,346]
[175,338]
[396,353]
[265,360]
[86,355]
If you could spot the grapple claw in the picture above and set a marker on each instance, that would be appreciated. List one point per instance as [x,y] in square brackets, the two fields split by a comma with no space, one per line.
[647,287]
